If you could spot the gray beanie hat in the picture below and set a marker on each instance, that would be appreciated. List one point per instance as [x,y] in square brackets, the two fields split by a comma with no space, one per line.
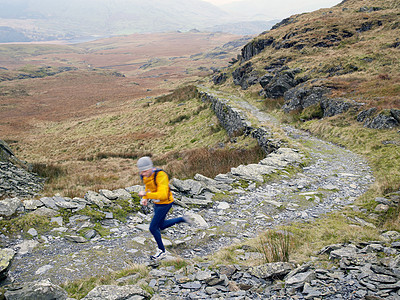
[144,163]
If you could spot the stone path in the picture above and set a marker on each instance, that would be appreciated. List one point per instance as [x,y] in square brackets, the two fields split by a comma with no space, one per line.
[331,178]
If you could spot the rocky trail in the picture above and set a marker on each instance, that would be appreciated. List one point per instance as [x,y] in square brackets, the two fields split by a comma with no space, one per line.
[315,179]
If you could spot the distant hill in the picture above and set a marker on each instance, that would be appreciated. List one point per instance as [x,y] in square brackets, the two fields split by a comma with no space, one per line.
[35,20]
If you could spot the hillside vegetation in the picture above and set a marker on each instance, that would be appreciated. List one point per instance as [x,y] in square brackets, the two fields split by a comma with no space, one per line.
[350,51]
[353,46]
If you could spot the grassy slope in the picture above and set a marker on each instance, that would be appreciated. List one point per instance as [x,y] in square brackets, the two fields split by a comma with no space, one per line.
[369,72]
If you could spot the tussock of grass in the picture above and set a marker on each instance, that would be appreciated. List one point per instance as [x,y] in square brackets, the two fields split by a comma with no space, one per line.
[275,246]
[334,228]
[49,171]
[211,162]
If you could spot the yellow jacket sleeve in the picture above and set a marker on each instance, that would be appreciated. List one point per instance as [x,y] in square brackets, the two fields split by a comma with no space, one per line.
[158,191]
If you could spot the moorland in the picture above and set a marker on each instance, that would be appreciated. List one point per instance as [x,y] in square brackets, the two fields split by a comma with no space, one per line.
[88,125]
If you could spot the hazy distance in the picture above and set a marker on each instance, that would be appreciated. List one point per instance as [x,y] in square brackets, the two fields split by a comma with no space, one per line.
[44,20]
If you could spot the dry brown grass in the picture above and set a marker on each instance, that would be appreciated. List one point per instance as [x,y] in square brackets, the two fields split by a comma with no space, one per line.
[92,124]
[210,162]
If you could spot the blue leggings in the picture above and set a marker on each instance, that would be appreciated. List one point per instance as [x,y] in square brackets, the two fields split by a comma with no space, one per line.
[159,223]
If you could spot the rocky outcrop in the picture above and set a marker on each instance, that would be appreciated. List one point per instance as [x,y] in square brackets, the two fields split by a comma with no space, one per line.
[276,83]
[304,96]
[255,47]
[333,107]
[220,78]
[39,73]
[245,76]
[385,119]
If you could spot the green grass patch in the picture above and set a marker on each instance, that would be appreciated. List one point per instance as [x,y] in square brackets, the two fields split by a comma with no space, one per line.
[80,288]
[23,223]
[176,263]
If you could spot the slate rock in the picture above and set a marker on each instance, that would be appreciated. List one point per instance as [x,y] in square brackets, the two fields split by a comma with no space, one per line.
[272,270]
[253,172]
[115,292]
[6,256]
[44,290]
[349,251]
[97,199]
[75,238]
[45,212]
[300,279]
[32,204]
[9,206]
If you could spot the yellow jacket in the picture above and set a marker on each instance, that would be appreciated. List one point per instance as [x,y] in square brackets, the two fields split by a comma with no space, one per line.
[160,192]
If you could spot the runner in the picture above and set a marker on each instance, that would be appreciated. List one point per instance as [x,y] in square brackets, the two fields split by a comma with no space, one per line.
[157,189]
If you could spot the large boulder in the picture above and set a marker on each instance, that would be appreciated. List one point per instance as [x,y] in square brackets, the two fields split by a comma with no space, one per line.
[9,206]
[43,290]
[6,256]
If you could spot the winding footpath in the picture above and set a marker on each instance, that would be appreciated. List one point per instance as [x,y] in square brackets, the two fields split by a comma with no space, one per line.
[333,177]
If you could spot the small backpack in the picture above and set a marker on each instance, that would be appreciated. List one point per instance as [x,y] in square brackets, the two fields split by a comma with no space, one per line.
[155,176]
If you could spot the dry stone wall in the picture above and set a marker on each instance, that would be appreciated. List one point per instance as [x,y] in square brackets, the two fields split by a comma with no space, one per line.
[235,123]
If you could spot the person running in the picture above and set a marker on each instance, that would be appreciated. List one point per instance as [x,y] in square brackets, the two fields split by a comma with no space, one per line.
[157,189]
